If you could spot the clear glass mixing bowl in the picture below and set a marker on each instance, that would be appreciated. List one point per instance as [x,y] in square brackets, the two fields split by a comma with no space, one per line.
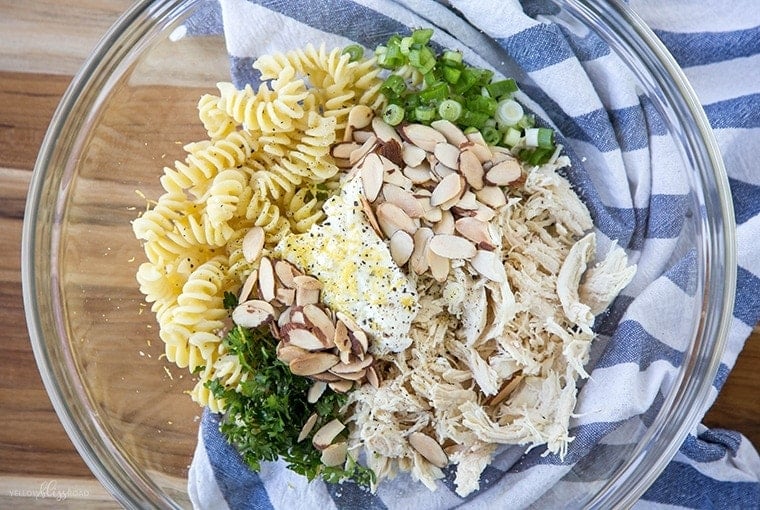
[127,114]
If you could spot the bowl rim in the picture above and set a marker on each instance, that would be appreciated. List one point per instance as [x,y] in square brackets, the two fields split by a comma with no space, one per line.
[629,484]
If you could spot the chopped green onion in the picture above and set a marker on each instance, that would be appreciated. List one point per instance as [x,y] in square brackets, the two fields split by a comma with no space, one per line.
[511,137]
[451,57]
[395,84]
[528,121]
[451,74]
[546,138]
[422,35]
[435,93]
[539,156]
[491,135]
[450,110]
[406,45]
[466,81]
[393,114]
[508,112]
[482,104]
[473,119]
[424,113]
[354,52]
[542,138]
[393,57]
[501,88]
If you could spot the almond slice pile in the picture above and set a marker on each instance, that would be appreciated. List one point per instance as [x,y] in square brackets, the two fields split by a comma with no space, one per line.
[330,348]
[431,191]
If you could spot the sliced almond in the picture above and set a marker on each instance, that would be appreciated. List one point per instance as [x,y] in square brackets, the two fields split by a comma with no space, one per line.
[326,377]
[391,218]
[287,352]
[359,343]
[472,169]
[452,246]
[349,321]
[450,131]
[384,131]
[327,434]
[479,146]
[322,325]
[250,281]
[451,187]
[504,173]
[441,171]
[343,150]
[365,149]
[401,247]
[391,150]
[467,202]
[429,448]
[419,174]
[506,391]
[418,259]
[404,199]
[362,135]
[341,385]
[266,279]
[341,340]
[474,230]
[308,426]
[447,154]
[370,214]
[346,357]
[305,339]
[439,265]
[351,376]
[313,363]
[307,282]
[450,204]
[446,224]
[397,177]
[253,243]
[360,116]
[285,296]
[424,137]
[285,273]
[492,196]
[335,454]
[252,313]
[372,377]
[371,172]
[306,296]
[412,155]
[356,366]
[489,264]
[434,214]
[484,213]
[315,391]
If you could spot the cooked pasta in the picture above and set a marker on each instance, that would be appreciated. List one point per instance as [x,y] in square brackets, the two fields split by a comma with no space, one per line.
[265,163]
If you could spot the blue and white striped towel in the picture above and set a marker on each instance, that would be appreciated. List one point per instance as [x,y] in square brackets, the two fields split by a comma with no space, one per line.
[639,352]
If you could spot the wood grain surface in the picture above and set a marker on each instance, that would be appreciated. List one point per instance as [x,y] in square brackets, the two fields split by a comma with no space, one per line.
[42,44]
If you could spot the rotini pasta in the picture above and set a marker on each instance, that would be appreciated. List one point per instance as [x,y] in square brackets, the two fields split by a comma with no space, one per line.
[267,152]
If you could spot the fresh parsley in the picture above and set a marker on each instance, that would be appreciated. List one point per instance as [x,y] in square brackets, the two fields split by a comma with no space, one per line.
[263,419]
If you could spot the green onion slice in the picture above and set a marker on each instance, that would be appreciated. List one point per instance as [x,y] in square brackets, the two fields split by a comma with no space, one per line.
[393,114]
[508,112]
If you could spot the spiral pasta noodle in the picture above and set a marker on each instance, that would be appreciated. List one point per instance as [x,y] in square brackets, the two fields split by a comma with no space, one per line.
[266,163]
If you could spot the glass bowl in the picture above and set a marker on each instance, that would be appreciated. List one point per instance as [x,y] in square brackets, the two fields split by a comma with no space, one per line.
[128,113]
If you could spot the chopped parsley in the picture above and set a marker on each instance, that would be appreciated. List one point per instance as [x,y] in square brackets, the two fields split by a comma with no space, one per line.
[264,418]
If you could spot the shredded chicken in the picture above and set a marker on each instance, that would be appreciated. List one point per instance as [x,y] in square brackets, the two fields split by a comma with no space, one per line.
[474,338]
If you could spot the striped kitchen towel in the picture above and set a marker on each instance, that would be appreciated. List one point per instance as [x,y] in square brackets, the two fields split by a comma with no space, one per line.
[617,142]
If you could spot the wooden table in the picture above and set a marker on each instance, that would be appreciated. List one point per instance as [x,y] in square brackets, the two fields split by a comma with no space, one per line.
[42,44]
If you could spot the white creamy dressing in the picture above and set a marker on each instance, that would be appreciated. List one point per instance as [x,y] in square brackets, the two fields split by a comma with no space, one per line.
[357,271]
